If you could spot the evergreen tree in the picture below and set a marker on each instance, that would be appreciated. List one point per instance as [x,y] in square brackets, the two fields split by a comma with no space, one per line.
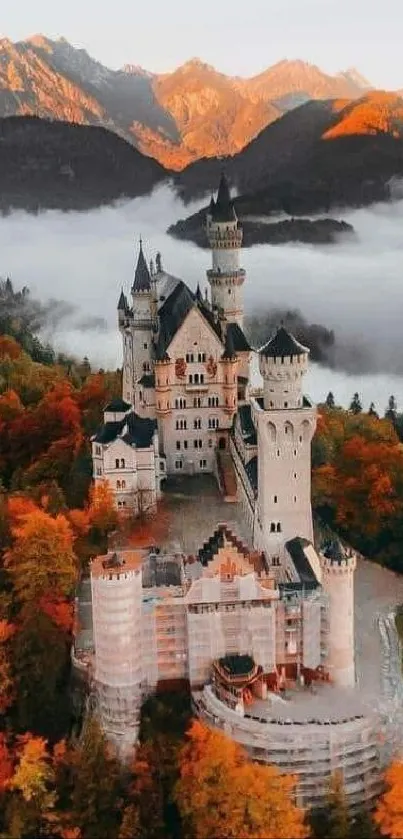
[391,410]
[332,821]
[372,412]
[330,403]
[355,404]
[96,785]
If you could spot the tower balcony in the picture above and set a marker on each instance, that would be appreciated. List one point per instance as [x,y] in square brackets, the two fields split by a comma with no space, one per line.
[236,277]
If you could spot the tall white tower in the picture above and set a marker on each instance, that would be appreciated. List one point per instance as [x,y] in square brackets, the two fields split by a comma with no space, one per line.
[116,584]
[225,237]
[285,422]
[136,326]
[338,582]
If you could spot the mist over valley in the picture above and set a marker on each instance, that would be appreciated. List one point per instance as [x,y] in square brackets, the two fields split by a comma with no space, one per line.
[77,263]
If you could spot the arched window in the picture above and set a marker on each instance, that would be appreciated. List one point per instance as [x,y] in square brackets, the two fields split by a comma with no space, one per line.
[196,378]
[123,484]
[117,463]
[278,527]
[117,484]
[275,499]
[202,378]
[122,463]
[272,527]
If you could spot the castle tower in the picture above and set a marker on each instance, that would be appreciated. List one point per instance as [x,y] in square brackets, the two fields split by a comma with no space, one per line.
[338,581]
[136,326]
[225,238]
[116,582]
[285,422]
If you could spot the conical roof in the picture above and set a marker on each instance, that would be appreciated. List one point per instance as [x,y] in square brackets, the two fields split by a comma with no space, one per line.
[229,349]
[142,279]
[122,303]
[283,344]
[223,208]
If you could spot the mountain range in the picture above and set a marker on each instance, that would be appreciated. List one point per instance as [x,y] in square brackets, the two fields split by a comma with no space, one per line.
[177,118]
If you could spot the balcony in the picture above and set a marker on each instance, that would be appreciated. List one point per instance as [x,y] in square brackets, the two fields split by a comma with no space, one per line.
[194,387]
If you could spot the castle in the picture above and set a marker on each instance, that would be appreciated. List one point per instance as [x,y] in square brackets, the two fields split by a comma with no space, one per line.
[241,623]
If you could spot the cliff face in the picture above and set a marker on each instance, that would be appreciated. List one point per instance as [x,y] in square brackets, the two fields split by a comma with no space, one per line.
[177,118]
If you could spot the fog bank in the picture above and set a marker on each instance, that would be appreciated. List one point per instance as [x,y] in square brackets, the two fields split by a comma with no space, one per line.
[354,288]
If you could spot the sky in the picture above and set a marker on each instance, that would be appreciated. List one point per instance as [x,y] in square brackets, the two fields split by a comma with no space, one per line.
[238,38]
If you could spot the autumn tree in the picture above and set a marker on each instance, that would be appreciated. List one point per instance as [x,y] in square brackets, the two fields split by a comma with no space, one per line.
[144,814]
[389,811]
[102,510]
[7,686]
[41,560]
[30,808]
[221,794]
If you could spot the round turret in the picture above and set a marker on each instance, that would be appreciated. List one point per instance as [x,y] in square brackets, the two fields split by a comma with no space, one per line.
[338,569]
[283,362]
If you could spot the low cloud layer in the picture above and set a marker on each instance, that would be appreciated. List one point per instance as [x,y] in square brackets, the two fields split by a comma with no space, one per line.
[77,264]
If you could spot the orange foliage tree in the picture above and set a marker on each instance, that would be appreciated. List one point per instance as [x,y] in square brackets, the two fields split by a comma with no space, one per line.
[41,560]
[222,794]
[389,811]
[6,678]
[102,512]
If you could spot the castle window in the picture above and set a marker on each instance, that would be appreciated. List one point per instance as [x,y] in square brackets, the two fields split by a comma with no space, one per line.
[295,475]
[117,484]
[122,463]
[140,396]
[300,439]
[145,346]
[275,499]
[197,403]
[178,464]
[99,470]
[285,404]
[123,484]
[272,527]
[98,450]
[190,379]
[295,499]
[178,444]
[117,463]
[229,291]
[282,359]
[278,527]
[278,452]
[203,464]
[210,443]
[202,378]
[197,423]
[185,444]
[295,452]
[196,378]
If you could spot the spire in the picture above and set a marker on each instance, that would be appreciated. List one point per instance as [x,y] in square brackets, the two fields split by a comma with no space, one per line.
[211,207]
[229,350]
[223,208]
[199,297]
[142,279]
[122,304]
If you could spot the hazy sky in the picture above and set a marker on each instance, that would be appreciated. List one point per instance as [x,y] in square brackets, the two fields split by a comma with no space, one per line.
[237,37]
